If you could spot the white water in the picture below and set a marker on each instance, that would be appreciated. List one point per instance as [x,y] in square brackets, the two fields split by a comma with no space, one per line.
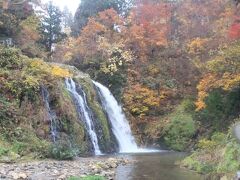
[120,125]
[50,113]
[83,110]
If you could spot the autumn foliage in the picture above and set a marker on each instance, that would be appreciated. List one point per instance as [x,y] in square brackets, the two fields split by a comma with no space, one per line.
[234,31]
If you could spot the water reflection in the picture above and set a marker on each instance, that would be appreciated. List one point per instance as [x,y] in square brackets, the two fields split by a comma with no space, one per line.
[155,166]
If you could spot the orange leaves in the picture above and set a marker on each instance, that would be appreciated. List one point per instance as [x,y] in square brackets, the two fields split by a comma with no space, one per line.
[110,18]
[149,27]
[87,41]
[146,27]
[93,27]
[102,26]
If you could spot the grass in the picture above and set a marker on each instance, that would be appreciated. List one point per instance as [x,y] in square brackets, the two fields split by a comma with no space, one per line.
[87,178]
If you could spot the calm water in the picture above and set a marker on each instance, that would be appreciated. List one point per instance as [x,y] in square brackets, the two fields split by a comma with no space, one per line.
[155,166]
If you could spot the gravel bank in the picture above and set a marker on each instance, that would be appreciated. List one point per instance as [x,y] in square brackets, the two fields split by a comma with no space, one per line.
[61,170]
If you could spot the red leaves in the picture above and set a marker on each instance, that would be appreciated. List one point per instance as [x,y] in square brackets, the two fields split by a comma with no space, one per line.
[234,31]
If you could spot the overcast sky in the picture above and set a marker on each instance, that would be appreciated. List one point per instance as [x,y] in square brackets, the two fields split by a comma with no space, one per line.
[71,4]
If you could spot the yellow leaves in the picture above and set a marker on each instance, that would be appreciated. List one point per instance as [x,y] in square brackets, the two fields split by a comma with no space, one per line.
[60,72]
[140,100]
[226,82]
[207,144]
[40,67]
[31,82]
[153,70]
[205,84]
[68,56]
[229,81]
[114,54]
[197,45]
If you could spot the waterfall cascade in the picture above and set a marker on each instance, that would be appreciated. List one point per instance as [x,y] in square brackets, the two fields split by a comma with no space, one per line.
[51,114]
[120,125]
[84,112]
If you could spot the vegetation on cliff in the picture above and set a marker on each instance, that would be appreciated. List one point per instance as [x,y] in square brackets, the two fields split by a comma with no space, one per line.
[25,121]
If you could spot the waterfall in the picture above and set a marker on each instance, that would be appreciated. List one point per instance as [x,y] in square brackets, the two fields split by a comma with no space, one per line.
[51,114]
[84,112]
[120,125]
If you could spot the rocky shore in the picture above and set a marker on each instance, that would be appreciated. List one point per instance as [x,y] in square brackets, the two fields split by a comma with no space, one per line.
[61,170]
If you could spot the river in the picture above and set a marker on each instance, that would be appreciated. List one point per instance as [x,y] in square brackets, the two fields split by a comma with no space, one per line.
[155,166]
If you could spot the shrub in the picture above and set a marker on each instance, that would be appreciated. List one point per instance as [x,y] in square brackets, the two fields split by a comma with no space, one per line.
[219,155]
[179,131]
[9,58]
[181,127]
[24,141]
[62,151]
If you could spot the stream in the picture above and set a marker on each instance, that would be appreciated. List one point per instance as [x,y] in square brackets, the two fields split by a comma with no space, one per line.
[155,166]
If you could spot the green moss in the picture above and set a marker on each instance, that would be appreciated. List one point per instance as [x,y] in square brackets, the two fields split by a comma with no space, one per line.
[65,102]
[71,127]
[97,109]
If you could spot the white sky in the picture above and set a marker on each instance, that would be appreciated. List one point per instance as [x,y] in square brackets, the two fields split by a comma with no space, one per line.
[71,4]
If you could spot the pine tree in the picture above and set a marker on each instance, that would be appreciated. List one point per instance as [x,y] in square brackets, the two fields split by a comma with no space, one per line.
[51,26]
[67,17]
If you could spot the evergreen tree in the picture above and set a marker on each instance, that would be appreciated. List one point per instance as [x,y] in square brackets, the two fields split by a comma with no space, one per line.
[51,26]
[67,18]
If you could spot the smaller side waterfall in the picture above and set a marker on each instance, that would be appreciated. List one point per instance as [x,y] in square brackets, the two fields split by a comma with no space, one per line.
[51,114]
[84,112]
[120,126]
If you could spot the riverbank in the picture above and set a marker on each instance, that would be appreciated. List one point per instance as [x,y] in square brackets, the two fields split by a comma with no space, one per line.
[62,170]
